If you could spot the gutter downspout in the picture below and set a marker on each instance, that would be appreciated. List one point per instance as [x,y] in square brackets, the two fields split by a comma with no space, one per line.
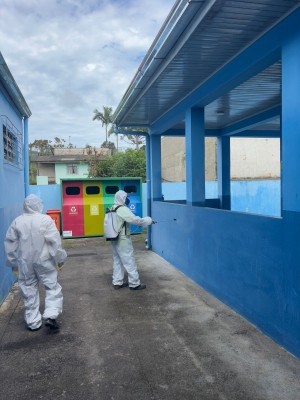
[148,180]
[26,158]
[148,176]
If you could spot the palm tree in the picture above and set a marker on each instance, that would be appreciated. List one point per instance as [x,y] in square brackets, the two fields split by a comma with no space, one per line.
[105,117]
[111,132]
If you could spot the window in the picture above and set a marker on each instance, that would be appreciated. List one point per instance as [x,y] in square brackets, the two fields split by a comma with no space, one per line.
[111,189]
[130,189]
[72,169]
[92,190]
[73,191]
[12,144]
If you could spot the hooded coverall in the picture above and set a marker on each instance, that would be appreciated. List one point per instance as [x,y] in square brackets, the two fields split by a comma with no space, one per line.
[122,248]
[33,246]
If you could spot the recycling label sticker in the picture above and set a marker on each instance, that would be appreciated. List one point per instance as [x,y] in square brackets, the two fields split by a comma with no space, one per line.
[73,210]
[132,207]
[94,209]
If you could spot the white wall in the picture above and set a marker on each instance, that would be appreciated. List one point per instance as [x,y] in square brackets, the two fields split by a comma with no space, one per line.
[255,158]
[250,159]
[173,159]
[47,170]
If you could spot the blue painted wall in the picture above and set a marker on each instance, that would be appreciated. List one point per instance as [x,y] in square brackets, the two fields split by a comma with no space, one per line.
[255,197]
[249,262]
[49,194]
[12,194]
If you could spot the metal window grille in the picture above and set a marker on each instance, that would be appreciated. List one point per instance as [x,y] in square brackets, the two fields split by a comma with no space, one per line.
[12,144]
[72,169]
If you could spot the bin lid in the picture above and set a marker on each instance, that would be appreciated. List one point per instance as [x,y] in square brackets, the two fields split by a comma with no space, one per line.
[52,211]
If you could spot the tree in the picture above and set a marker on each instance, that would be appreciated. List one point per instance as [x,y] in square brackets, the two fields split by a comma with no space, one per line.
[59,143]
[109,145]
[106,118]
[131,163]
[134,139]
[41,147]
[100,168]
[111,132]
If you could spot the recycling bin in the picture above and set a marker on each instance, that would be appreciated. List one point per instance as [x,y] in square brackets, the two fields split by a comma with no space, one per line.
[55,215]
[84,202]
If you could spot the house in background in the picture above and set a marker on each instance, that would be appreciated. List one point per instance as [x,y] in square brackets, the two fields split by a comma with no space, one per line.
[14,113]
[65,163]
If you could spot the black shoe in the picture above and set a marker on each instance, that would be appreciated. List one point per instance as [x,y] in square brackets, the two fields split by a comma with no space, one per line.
[52,324]
[140,287]
[34,329]
[125,284]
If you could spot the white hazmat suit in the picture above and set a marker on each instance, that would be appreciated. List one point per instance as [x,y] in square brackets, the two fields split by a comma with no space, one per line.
[33,246]
[123,253]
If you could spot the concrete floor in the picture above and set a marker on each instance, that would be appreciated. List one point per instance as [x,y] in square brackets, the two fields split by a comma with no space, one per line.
[170,341]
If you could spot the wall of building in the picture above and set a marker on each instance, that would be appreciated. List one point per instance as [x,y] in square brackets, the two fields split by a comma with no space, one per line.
[83,151]
[173,159]
[61,171]
[47,170]
[255,158]
[253,197]
[49,194]
[12,196]
[249,262]
[250,159]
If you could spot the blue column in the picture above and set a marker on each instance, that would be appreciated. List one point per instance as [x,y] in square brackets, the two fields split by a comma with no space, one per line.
[26,157]
[148,181]
[291,124]
[223,166]
[195,157]
[155,153]
[281,164]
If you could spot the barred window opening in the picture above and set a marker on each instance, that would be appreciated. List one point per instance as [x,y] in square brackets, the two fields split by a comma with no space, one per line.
[12,144]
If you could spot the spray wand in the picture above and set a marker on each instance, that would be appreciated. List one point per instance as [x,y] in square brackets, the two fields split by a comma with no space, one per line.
[165,220]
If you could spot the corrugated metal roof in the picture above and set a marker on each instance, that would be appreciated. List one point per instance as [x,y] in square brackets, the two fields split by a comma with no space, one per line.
[261,92]
[228,27]
[60,159]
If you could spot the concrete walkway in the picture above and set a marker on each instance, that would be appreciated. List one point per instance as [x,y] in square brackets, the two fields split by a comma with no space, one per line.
[170,341]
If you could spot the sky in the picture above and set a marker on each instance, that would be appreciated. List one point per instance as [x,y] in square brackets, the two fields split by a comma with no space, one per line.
[69,57]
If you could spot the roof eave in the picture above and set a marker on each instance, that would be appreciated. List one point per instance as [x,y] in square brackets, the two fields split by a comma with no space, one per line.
[12,89]
[179,25]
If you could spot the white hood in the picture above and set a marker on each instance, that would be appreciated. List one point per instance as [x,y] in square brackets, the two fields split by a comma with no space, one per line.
[32,204]
[120,198]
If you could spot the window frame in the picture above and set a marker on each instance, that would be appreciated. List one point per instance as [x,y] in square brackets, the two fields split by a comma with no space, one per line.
[12,144]
[72,166]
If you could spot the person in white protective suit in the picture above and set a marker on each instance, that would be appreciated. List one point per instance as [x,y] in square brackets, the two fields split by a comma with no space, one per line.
[33,250]
[123,253]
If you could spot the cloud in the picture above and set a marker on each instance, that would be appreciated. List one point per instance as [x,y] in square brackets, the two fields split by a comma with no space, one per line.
[71,56]
[68,100]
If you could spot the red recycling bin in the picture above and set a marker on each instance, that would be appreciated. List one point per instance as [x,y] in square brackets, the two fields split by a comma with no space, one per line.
[55,215]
